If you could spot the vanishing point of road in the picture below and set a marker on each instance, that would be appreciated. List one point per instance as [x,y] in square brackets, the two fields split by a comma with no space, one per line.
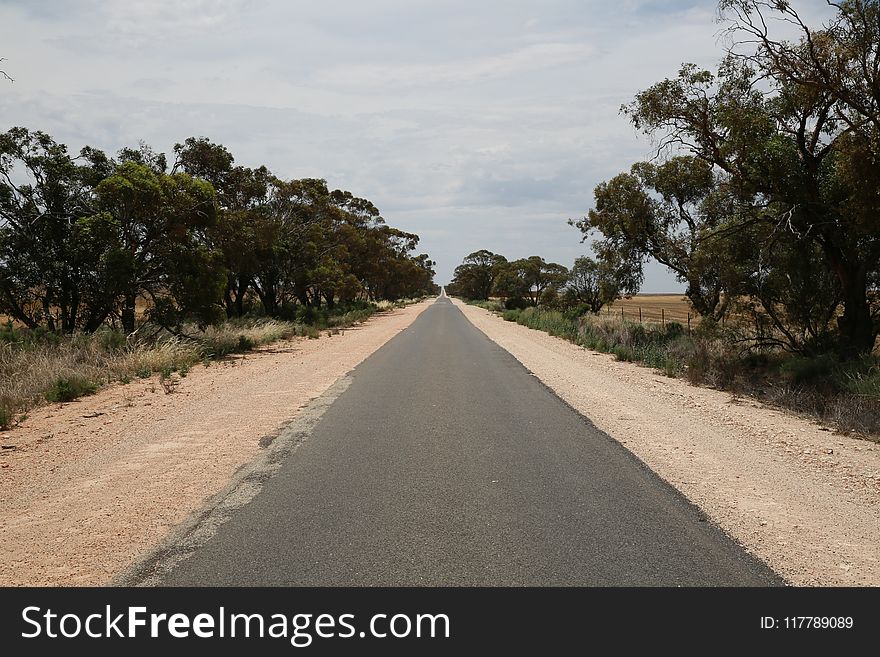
[445,462]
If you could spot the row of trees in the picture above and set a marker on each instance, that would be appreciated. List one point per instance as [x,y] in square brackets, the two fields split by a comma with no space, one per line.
[83,238]
[533,281]
[767,200]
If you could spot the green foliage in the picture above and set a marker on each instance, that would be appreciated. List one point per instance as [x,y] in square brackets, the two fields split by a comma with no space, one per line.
[844,393]
[622,353]
[516,303]
[7,415]
[773,204]
[864,381]
[593,284]
[66,389]
[575,312]
[492,306]
[483,273]
[350,317]
[475,277]
[10,334]
[111,340]
[92,242]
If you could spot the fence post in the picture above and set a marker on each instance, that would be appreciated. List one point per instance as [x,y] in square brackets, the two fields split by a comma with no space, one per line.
[689,323]
[621,314]
[663,316]
[640,314]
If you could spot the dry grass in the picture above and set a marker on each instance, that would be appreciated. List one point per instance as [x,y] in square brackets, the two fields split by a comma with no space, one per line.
[39,368]
[654,308]
[31,374]
[842,395]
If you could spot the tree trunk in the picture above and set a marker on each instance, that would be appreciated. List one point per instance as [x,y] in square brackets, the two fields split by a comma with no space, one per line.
[269,300]
[243,285]
[857,330]
[95,320]
[128,313]
[228,300]
[50,321]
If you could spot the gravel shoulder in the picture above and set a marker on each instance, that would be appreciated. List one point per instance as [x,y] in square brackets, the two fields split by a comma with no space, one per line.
[799,497]
[88,486]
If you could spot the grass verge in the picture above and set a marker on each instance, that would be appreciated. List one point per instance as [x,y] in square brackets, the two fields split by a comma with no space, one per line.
[842,395]
[38,367]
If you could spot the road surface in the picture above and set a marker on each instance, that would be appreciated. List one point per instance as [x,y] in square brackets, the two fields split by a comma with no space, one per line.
[445,462]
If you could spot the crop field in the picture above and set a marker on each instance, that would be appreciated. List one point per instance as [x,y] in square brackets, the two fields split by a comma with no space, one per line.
[654,308]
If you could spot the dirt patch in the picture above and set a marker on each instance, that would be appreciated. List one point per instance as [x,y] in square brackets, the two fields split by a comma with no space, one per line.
[88,486]
[801,498]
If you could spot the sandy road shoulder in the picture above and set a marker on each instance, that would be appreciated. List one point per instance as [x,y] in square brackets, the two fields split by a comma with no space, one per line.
[801,498]
[91,485]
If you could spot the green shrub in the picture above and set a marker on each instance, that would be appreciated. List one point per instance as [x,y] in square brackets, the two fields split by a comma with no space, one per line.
[7,415]
[622,353]
[490,305]
[65,389]
[674,329]
[578,311]
[111,340]
[800,370]
[515,303]
[8,333]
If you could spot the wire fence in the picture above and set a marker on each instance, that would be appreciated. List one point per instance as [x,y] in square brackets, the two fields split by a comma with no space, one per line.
[635,313]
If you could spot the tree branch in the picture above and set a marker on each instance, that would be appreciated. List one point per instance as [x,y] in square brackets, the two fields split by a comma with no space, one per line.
[4,73]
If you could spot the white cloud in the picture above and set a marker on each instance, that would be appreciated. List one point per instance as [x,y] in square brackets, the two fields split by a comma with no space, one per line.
[475,125]
[524,60]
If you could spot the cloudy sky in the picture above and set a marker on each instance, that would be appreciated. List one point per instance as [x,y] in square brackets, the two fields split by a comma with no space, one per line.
[474,124]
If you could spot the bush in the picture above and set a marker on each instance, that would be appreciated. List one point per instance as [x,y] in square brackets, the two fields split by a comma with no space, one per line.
[578,311]
[111,340]
[799,370]
[845,395]
[550,299]
[65,389]
[7,415]
[9,333]
[622,353]
[674,329]
[865,382]
[516,303]
[307,314]
[351,317]
[490,305]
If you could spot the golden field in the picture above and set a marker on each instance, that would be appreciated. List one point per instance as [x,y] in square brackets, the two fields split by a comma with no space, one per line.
[654,308]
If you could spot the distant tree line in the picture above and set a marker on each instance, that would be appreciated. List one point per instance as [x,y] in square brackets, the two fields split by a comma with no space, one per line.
[766,204]
[532,281]
[85,240]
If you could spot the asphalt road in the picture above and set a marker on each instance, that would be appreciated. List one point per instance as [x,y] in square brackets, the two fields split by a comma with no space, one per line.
[445,462]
